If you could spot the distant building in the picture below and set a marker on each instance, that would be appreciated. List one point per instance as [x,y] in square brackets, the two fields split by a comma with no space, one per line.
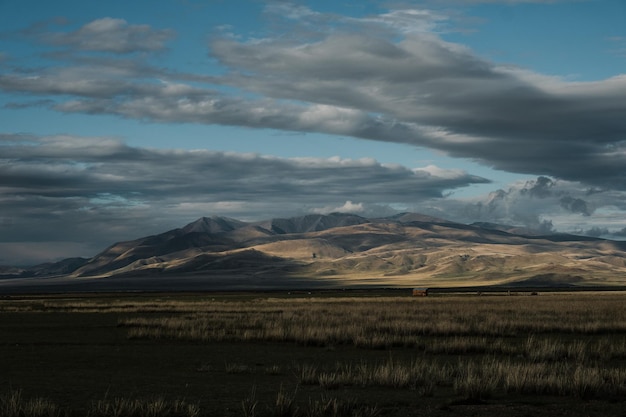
[420,292]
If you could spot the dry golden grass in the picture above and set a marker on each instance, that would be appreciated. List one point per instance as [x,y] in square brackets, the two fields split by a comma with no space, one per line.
[158,407]
[564,345]
[13,404]
[554,345]
[386,322]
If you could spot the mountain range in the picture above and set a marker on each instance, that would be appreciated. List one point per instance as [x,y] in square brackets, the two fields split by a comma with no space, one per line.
[340,249]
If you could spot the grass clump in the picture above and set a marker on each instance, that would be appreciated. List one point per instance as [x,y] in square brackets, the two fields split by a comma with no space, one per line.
[249,404]
[415,375]
[334,407]
[158,407]
[13,404]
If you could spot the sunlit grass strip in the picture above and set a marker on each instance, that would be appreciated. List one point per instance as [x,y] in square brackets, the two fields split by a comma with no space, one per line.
[479,379]
[443,316]
[494,326]
[401,316]
[391,374]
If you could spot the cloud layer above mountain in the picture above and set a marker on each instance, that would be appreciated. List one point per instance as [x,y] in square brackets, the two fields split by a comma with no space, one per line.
[386,78]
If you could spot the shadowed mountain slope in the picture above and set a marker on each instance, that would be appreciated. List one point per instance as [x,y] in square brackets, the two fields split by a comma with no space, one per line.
[311,223]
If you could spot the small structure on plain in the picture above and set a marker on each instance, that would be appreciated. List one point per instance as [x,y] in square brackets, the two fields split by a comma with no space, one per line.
[420,292]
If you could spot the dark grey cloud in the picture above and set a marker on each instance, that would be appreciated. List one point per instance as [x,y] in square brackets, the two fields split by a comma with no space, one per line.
[597,232]
[541,188]
[504,117]
[88,167]
[575,205]
[73,189]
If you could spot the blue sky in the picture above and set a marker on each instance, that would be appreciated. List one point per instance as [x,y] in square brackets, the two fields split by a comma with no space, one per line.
[119,119]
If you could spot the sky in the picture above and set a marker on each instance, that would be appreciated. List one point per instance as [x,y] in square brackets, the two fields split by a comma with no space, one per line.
[124,119]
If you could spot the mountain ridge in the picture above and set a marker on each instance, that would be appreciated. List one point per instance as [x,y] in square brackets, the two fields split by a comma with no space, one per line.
[401,250]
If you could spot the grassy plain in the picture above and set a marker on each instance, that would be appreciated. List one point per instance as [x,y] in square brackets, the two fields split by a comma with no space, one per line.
[321,354]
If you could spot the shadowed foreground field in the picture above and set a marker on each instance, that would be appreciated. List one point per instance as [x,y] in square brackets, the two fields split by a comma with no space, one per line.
[319,354]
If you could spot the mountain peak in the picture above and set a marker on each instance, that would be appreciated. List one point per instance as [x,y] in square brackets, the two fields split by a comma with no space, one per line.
[213,224]
[408,217]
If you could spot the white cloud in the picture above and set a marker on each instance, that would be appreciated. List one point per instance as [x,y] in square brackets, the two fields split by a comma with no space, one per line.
[347,207]
[408,20]
[441,172]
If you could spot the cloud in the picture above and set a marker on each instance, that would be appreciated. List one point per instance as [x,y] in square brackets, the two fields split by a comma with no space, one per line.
[541,188]
[76,188]
[451,100]
[87,167]
[408,21]
[110,35]
[597,232]
[575,205]
[386,77]
[543,204]
[347,207]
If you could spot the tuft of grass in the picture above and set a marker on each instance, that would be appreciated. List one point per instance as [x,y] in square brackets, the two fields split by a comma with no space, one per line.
[307,374]
[284,406]
[250,403]
[479,380]
[158,407]
[12,404]
[237,368]
[273,370]
[329,380]
[417,374]
[334,407]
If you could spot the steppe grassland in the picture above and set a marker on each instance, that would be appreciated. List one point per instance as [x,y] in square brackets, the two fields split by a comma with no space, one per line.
[380,322]
[442,346]
[555,345]
[579,326]
[549,344]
